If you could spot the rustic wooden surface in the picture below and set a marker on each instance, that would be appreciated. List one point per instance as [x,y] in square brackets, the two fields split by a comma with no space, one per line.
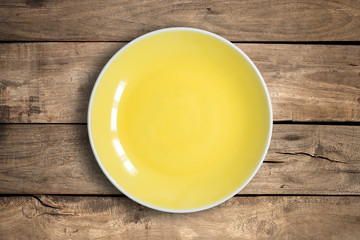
[269,217]
[50,55]
[51,82]
[122,20]
[302,159]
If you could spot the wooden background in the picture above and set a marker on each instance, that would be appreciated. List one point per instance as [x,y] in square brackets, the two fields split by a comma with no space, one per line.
[50,55]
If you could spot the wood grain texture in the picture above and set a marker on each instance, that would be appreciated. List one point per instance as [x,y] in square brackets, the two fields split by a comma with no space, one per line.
[51,82]
[64,217]
[57,159]
[259,20]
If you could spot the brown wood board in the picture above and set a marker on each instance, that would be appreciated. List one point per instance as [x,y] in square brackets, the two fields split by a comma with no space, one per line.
[52,82]
[114,20]
[57,159]
[269,217]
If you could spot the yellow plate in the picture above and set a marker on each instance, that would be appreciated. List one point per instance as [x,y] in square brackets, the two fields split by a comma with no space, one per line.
[180,120]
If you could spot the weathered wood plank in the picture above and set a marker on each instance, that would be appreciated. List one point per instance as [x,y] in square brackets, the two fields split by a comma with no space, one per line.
[64,217]
[57,159]
[51,82]
[258,20]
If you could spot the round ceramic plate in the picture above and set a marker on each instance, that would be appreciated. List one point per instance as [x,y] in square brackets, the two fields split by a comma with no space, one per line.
[180,120]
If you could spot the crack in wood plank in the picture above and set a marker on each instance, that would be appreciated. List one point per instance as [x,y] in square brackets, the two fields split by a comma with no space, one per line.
[311,155]
[41,207]
[266,161]
[43,203]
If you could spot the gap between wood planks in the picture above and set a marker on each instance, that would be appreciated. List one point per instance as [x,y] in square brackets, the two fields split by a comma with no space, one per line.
[275,122]
[342,43]
[124,196]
